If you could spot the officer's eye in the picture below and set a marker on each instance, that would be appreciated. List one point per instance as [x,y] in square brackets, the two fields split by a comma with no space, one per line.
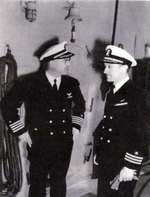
[107,67]
[67,60]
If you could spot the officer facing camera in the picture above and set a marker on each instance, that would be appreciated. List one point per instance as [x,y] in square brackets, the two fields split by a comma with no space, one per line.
[54,108]
[117,139]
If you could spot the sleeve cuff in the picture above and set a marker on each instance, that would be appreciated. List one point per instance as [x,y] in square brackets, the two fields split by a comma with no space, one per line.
[17,127]
[77,121]
[133,160]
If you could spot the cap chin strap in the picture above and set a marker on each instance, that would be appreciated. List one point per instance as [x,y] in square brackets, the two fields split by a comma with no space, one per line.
[67,55]
[58,56]
[114,58]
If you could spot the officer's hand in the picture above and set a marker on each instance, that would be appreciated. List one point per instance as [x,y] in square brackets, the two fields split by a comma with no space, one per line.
[25,137]
[127,174]
[75,133]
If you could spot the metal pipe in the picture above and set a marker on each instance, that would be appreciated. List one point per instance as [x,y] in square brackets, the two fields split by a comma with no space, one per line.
[115,22]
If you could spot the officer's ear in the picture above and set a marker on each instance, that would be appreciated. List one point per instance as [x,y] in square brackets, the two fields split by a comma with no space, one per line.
[125,67]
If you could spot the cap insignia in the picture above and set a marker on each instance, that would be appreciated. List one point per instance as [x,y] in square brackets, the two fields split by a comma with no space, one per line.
[108,52]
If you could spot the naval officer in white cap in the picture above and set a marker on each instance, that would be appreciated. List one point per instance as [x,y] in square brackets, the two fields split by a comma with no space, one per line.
[54,108]
[117,143]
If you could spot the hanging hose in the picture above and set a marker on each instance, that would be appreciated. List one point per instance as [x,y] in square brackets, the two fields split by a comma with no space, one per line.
[10,161]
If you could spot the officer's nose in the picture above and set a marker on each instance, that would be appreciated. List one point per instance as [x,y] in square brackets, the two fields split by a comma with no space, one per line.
[67,63]
[105,70]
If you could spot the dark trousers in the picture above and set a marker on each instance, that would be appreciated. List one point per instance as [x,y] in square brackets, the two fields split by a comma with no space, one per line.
[125,189]
[55,162]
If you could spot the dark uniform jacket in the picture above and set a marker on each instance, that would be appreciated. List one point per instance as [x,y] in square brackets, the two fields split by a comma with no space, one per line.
[117,137]
[49,114]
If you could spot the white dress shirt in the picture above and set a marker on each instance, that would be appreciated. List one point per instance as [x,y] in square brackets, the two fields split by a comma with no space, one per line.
[120,84]
[51,79]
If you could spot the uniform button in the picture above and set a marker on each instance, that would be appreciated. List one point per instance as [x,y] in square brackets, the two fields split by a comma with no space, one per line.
[81,115]
[136,153]
[50,110]
[101,138]
[50,121]
[35,129]
[64,132]
[111,117]
[63,110]
[104,116]
[63,121]
[110,129]
[103,127]
[108,141]
[51,133]
[10,121]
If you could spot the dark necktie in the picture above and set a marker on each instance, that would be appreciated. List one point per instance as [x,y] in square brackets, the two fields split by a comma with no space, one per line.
[55,85]
[109,100]
[110,94]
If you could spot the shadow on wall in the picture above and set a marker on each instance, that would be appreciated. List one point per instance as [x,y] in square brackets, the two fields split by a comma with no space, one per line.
[96,55]
[41,49]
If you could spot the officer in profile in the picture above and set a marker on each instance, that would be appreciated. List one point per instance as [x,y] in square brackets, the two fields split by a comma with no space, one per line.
[54,108]
[118,145]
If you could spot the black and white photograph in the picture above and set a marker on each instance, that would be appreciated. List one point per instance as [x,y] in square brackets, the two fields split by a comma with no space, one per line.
[74,98]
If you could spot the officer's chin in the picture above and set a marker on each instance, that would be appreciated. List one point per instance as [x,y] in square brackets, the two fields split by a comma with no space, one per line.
[109,79]
[63,72]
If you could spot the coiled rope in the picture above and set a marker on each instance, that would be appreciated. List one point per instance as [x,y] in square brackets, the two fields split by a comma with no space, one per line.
[10,161]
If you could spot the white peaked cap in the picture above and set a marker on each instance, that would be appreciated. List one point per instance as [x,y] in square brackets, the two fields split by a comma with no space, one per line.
[117,55]
[58,51]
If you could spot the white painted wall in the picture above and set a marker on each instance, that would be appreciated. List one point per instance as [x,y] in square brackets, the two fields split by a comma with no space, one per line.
[25,37]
